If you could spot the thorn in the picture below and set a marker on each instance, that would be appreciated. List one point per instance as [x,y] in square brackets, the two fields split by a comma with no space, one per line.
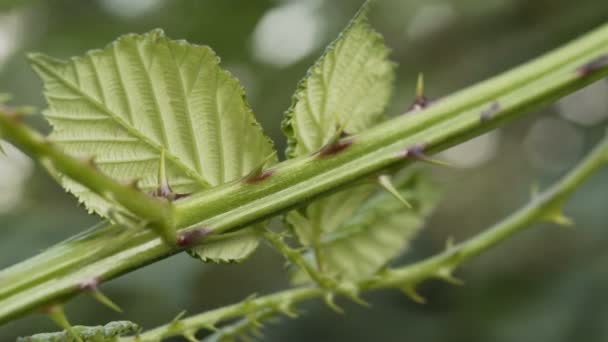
[410,291]
[177,196]
[417,152]
[351,291]
[557,217]
[190,237]
[420,88]
[105,300]
[335,148]
[253,320]
[258,174]
[91,286]
[179,316]
[449,242]
[489,113]
[534,190]
[355,297]
[446,275]
[595,65]
[251,297]
[58,316]
[336,142]
[189,335]
[420,101]
[386,184]
[210,327]
[287,310]
[163,190]
[329,301]
[255,326]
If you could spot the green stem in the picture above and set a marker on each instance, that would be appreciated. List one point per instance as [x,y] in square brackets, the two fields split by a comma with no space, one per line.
[157,212]
[298,181]
[441,266]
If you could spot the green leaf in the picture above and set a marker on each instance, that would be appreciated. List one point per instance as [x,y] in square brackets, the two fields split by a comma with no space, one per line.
[349,85]
[378,232]
[98,333]
[228,248]
[144,94]
[327,214]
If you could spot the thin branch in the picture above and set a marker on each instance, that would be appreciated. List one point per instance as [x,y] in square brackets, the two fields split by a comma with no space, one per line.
[85,172]
[544,207]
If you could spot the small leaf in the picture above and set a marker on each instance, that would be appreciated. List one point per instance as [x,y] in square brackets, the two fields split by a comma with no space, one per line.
[145,94]
[227,248]
[350,84]
[106,333]
[378,232]
[327,214]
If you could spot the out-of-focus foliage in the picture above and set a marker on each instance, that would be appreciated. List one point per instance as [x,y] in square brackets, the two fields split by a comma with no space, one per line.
[545,285]
[105,333]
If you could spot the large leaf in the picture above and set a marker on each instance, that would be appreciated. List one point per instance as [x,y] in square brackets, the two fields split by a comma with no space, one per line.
[145,94]
[105,333]
[348,86]
[378,232]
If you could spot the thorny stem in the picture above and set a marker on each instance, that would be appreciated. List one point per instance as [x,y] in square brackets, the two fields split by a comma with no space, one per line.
[157,212]
[543,207]
[298,181]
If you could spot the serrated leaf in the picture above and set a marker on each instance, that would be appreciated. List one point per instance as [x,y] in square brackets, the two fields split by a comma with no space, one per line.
[327,214]
[227,249]
[379,231]
[349,85]
[106,333]
[144,94]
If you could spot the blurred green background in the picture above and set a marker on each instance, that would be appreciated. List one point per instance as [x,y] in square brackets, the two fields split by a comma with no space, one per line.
[547,284]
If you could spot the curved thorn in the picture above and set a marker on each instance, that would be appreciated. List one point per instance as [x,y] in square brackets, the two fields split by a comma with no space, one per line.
[329,301]
[179,316]
[410,291]
[58,316]
[449,242]
[420,88]
[105,300]
[258,174]
[287,310]
[189,335]
[446,275]
[164,189]
[386,184]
